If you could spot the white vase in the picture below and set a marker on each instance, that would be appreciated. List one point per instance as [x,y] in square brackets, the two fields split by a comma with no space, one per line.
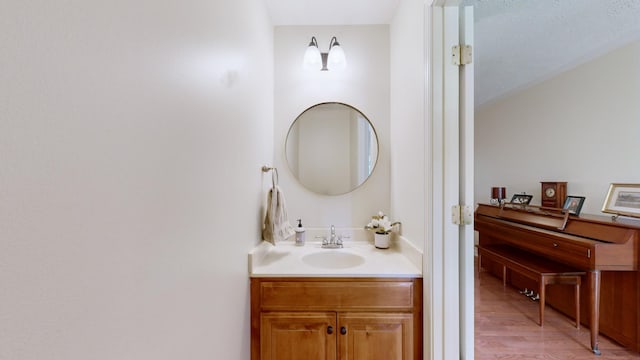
[382,241]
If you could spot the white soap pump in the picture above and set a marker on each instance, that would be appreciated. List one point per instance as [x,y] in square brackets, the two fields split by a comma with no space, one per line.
[299,234]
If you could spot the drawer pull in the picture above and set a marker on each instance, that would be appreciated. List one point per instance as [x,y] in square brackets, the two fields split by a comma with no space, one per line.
[329,329]
[555,244]
[343,330]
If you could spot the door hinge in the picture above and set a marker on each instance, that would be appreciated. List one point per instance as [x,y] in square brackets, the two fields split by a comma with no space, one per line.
[461,55]
[461,215]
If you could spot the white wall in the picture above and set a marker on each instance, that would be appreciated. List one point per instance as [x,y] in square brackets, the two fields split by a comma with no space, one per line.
[364,84]
[408,127]
[131,140]
[581,126]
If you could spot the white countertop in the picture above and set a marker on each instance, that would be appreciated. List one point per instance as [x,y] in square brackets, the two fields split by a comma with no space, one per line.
[286,260]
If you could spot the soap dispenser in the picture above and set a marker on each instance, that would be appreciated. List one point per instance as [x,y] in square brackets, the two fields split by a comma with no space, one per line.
[299,233]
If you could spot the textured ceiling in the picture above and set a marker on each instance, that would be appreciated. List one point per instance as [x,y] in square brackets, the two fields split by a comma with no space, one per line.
[518,43]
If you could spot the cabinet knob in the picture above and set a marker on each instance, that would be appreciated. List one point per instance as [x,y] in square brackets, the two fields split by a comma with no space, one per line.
[343,330]
[555,244]
[329,329]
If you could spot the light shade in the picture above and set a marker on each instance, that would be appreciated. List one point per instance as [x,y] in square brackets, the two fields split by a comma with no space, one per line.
[312,57]
[336,59]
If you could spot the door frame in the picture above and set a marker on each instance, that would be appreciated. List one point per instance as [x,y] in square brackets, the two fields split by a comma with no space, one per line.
[448,289]
[467,190]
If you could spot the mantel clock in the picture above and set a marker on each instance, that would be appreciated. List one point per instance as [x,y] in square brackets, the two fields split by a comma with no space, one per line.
[553,193]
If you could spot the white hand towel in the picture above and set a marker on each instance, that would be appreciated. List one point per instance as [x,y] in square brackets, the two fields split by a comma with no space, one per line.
[276,222]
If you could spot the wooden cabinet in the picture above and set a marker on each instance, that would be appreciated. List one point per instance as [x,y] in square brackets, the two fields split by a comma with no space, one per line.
[376,336]
[292,336]
[336,318]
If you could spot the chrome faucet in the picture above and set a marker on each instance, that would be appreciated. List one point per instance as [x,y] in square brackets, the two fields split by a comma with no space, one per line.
[334,241]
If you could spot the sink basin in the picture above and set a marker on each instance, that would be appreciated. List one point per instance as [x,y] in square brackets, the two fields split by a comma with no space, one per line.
[333,260]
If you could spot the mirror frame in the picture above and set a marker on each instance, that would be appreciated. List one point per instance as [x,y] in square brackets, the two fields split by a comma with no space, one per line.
[375,134]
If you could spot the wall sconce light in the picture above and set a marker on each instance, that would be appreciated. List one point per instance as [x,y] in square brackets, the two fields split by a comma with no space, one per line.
[316,60]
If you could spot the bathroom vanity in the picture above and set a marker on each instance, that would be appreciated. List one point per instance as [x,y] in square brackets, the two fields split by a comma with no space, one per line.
[359,310]
[336,318]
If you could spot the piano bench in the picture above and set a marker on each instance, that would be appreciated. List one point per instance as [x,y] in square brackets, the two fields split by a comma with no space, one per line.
[534,267]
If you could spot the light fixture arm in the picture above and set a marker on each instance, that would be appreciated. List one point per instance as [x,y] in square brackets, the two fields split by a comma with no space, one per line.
[313,42]
[333,42]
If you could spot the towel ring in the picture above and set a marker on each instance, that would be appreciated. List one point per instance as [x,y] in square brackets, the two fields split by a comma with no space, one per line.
[274,174]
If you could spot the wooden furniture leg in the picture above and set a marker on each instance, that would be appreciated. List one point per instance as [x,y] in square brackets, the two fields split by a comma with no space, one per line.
[541,292]
[577,295]
[504,275]
[594,320]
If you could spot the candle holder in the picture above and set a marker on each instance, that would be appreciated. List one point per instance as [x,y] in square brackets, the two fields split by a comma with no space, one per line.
[498,194]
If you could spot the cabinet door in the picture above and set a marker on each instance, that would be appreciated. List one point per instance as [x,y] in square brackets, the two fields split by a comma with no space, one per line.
[375,336]
[296,336]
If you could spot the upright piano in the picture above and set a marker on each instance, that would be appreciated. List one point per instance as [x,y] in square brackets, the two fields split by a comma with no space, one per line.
[606,248]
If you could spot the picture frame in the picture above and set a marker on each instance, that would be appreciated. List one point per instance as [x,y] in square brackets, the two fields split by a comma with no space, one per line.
[623,199]
[573,204]
[521,199]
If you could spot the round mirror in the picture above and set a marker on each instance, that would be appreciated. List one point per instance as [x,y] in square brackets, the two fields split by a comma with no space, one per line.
[331,148]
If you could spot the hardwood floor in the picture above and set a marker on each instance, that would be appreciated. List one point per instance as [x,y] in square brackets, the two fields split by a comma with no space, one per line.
[506,327]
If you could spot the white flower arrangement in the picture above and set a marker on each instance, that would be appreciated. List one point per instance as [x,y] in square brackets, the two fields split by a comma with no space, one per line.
[381,224]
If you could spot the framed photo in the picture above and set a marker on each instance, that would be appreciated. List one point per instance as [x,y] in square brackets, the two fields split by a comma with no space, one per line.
[573,204]
[521,199]
[623,199]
